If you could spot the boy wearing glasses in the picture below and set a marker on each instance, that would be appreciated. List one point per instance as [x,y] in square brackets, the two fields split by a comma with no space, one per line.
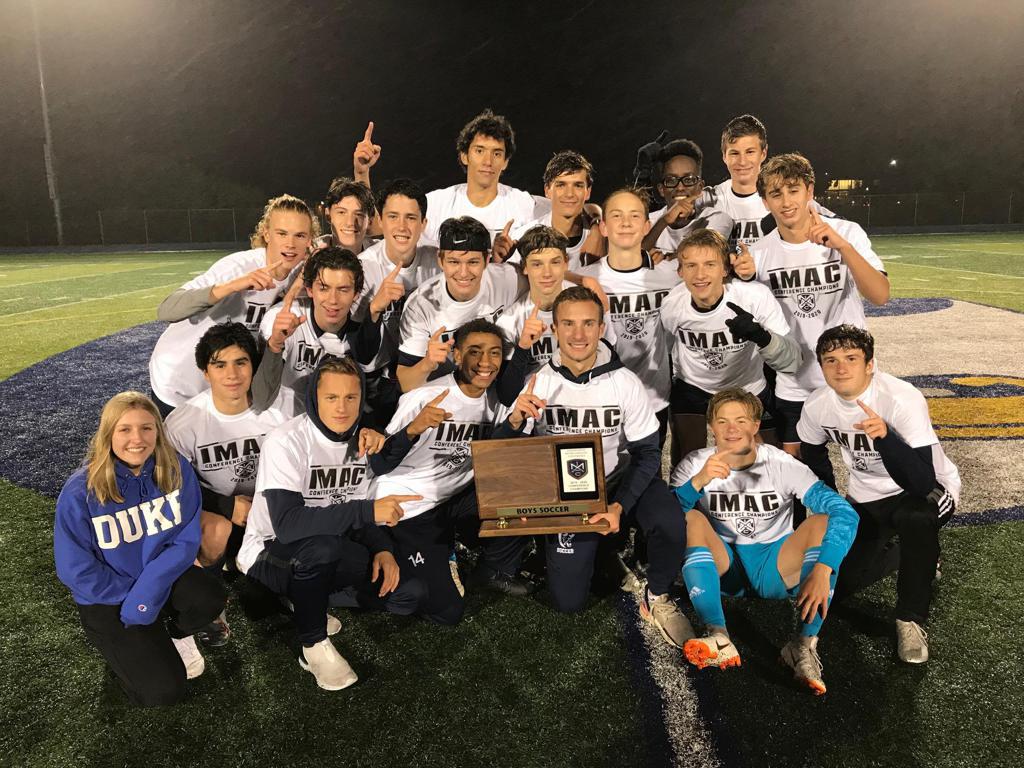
[681,187]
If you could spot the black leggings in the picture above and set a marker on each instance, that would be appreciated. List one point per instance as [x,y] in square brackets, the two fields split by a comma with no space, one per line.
[142,656]
[318,572]
[873,555]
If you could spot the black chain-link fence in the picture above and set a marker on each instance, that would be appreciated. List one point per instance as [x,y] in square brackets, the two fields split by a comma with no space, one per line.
[234,225]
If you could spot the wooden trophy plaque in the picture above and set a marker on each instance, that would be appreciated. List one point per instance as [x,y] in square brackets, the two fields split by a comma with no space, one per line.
[538,485]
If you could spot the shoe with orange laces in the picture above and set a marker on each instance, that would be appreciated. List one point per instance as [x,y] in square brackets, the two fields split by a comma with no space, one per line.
[801,655]
[715,650]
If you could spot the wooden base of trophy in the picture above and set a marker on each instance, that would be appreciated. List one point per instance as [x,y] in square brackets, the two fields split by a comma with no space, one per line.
[539,485]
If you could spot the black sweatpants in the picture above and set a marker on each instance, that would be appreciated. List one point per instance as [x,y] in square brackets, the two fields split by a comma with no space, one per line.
[318,572]
[872,557]
[571,556]
[143,658]
[424,544]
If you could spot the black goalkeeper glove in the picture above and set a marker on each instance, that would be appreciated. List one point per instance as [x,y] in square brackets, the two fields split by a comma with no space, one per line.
[745,328]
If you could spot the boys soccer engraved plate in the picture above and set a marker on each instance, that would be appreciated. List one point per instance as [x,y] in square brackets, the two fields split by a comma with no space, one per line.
[539,485]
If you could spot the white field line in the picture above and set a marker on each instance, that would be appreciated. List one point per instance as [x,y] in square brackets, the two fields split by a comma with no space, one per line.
[961,250]
[14,299]
[969,271]
[80,317]
[970,291]
[85,301]
[97,274]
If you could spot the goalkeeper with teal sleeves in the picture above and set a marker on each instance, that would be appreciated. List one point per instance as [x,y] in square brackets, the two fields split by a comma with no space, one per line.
[738,498]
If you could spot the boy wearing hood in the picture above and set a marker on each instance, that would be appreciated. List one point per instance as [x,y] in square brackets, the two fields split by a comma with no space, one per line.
[313,532]
[586,388]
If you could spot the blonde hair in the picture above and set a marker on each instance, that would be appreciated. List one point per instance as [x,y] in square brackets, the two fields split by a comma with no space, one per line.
[735,395]
[258,238]
[100,478]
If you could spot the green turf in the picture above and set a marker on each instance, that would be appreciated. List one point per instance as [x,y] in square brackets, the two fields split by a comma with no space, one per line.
[53,302]
[58,301]
[514,684]
[962,708]
[986,269]
[429,696]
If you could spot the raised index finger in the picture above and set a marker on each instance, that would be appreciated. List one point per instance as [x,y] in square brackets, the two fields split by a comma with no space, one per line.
[436,336]
[736,308]
[868,411]
[533,382]
[368,136]
[813,210]
[535,313]
[438,398]
[406,498]
[508,228]
[394,272]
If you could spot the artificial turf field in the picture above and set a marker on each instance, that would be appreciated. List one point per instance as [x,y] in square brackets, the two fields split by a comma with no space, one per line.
[515,684]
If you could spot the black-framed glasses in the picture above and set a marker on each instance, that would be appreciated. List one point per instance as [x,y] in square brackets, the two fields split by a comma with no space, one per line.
[671,182]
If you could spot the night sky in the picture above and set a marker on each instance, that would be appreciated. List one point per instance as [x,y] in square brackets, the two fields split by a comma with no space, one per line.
[157,103]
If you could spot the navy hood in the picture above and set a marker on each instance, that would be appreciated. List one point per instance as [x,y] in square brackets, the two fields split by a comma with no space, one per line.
[313,410]
[607,361]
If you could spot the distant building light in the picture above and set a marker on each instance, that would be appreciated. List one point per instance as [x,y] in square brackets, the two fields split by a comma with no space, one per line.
[892,163]
[844,185]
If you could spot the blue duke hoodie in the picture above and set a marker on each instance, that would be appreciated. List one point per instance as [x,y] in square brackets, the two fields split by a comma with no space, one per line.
[127,553]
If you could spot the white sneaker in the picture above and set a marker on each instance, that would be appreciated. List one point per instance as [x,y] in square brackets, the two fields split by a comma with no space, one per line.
[333,626]
[194,662]
[801,655]
[715,650]
[329,667]
[911,642]
[662,612]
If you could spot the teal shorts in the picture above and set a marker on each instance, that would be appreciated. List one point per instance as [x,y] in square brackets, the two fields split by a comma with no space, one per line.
[754,570]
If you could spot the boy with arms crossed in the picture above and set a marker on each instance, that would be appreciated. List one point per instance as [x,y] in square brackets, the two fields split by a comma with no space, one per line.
[901,482]
[313,534]
[239,288]
[583,388]
[722,332]
[818,268]
[738,497]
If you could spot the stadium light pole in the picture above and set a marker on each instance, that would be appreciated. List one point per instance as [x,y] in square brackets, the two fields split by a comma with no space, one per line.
[48,157]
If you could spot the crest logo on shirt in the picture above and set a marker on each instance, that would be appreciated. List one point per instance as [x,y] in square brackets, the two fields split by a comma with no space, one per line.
[714,359]
[340,496]
[577,468]
[459,455]
[245,470]
[806,302]
[860,464]
[254,315]
[634,325]
[745,526]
